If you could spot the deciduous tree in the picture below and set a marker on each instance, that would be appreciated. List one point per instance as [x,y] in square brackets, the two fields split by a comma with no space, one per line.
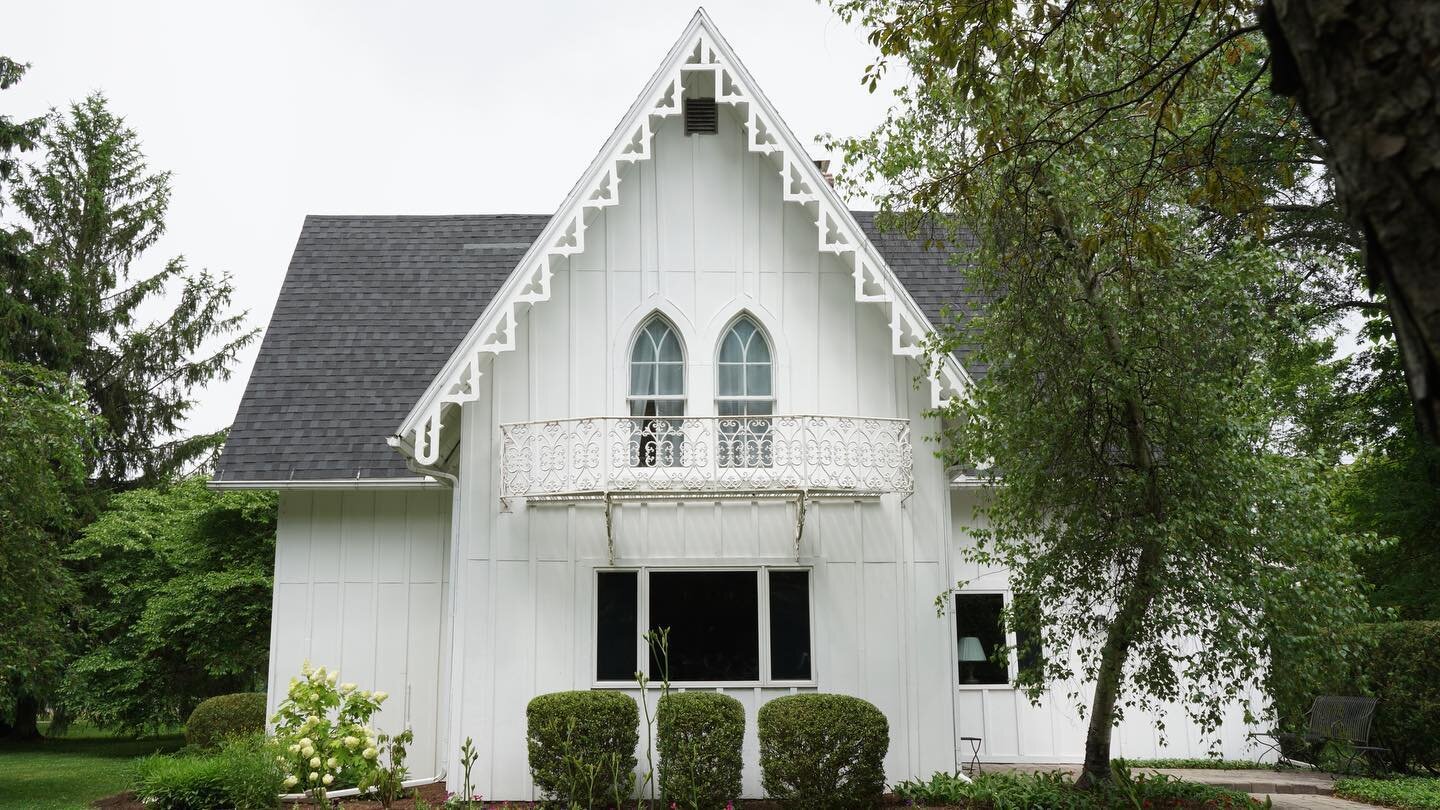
[45,439]
[176,582]
[1160,252]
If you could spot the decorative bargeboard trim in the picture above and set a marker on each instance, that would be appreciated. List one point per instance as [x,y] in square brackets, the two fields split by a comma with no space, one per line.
[700,50]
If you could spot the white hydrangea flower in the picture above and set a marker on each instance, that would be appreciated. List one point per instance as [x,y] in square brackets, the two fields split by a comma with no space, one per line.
[328,779]
[315,762]
[332,677]
[314,776]
[291,781]
[306,741]
[380,696]
[347,687]
[307,751]
[351,742]
[370,753]
[295,749]
[365,693]
[332,763]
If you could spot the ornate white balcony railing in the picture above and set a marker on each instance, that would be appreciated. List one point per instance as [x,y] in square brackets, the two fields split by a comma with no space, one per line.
[679,455]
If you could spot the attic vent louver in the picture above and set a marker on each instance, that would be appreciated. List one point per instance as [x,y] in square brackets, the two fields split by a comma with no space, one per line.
[701,117]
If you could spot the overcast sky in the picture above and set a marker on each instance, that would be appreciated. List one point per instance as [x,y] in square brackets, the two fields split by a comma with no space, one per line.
[268,111]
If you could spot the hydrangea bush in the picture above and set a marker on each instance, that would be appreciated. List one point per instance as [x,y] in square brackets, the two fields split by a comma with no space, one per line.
[324,735]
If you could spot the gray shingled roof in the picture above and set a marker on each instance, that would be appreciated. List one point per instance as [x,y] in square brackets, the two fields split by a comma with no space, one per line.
[372,307]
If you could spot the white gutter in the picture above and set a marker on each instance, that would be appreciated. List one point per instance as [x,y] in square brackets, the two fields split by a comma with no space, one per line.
[425,482]
[345,793]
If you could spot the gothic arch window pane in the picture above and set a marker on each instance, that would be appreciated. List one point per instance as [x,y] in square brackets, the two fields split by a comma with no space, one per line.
[744,396]
[657,389]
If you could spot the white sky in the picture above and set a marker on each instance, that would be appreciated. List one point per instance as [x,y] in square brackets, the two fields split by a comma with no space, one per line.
[268,111]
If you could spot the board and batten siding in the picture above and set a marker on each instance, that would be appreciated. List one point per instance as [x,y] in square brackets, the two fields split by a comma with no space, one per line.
[700,235]
[1015,730]
[361,584]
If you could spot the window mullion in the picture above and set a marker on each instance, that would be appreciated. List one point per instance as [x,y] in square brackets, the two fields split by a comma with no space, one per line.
[763,597]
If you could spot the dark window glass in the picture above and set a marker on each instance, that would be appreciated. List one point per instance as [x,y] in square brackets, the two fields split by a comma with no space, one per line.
[981,637]
[714,621]
[615,626]
[790,625]
[1029,650]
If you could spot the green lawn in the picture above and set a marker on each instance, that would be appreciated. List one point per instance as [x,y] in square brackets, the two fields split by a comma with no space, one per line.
[71,771]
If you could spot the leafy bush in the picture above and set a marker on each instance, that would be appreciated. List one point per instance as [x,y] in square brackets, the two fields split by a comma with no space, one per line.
[1021,791]
[1402,669]
[179,782]
[582,746]
[323,733]
[823,751]
[225,716]
[701,734]
[1407,793]
[242,775]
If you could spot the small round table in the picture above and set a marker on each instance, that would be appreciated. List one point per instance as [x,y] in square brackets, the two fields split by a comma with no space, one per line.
[973,766]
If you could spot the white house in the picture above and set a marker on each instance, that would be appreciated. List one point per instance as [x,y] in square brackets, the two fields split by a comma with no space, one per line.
[693,397]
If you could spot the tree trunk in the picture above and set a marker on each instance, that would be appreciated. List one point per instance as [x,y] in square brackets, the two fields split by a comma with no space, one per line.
[1112,666]
[1145,582]
[25,725]
[1364,73]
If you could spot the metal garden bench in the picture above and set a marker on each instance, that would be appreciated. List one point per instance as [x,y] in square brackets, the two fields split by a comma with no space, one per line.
[1332,719]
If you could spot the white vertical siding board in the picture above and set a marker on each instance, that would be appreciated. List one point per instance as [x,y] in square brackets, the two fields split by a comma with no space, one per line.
[357,527]
[292,537]
[325,538]
[550,338]
[674,200]
[549,534]
[512,651]
[775,528]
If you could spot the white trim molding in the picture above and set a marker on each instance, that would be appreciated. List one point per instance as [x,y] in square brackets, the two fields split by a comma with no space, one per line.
[700,49]
[425,482]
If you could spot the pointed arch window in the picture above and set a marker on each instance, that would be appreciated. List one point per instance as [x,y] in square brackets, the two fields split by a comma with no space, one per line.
[745,386]
[656,391]
[745,396]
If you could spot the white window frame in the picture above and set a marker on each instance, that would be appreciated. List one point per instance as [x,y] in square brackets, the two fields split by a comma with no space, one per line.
[642,619]
[1012,664]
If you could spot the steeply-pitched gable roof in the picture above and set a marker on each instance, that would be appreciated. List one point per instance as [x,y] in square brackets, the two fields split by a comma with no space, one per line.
[700,51]
[373,306]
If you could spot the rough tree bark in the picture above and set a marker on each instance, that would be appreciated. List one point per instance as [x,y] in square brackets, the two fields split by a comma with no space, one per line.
[1364,73]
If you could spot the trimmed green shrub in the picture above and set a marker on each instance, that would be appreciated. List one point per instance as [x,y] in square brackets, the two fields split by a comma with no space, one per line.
[582,746]
[700,736]
[242,775]
[225,716]
[823,751]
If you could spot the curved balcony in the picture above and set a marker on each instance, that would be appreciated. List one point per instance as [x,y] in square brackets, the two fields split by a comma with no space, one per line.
[680,456]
